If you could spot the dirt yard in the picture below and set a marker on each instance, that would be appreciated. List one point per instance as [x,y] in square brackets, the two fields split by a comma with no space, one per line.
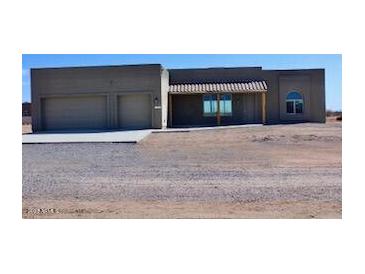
[26,129]
[26,124]
[283,171]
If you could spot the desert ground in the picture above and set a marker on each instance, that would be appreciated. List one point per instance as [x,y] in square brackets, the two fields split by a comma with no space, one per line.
[278,171]
[26,128]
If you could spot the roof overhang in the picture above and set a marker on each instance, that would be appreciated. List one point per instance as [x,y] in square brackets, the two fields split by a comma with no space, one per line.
[204,88]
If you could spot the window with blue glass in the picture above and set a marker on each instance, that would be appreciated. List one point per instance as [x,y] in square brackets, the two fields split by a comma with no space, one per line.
[294,103]
[210,105]
[225,104]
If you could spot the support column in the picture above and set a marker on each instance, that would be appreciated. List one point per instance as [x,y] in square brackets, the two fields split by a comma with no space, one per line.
[263,106]
[218,110]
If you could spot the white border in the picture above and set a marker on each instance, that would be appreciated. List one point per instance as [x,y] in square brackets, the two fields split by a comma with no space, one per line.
[182,246]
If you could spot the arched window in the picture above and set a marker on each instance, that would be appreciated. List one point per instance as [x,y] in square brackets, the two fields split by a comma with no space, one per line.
[294,103]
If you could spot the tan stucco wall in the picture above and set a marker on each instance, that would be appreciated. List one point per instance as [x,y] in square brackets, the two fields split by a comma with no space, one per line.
[309,82]
[318,96]
[109,81]
[113,81]
[188,110]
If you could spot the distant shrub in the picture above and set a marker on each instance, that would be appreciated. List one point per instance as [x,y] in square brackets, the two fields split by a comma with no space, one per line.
[339,118]
[330,113]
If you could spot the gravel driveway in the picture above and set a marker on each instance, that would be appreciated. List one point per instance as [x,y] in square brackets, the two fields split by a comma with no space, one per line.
[275,171]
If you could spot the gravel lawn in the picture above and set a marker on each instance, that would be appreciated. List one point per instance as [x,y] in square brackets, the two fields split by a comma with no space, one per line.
[281,171]
[26,129]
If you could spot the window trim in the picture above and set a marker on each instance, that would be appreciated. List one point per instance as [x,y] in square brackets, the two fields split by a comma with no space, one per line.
[294,103]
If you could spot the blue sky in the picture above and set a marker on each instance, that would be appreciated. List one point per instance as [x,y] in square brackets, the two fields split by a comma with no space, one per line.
[332,63]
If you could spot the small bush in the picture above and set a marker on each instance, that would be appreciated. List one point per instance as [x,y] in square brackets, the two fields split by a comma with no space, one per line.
[339,118]
[330,113]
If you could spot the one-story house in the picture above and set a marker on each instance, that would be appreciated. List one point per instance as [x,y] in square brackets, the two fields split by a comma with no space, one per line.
[149,96]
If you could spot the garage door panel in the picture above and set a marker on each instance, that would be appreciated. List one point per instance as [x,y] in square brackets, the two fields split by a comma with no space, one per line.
[134,111]
[84,112]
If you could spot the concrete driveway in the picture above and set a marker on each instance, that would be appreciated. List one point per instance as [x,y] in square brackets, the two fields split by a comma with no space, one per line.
[128,136]
[125,136]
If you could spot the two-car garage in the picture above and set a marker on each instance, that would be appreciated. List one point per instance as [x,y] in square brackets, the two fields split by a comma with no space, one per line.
[99,98]
[94,112]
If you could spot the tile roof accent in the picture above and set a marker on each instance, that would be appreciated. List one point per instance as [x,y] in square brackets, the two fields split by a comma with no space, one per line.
[246,87]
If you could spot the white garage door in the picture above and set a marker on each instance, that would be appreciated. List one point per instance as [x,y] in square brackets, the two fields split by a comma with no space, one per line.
[84,112]
[134,111]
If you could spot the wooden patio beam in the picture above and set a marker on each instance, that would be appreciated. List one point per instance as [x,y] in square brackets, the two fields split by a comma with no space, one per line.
[263,106]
